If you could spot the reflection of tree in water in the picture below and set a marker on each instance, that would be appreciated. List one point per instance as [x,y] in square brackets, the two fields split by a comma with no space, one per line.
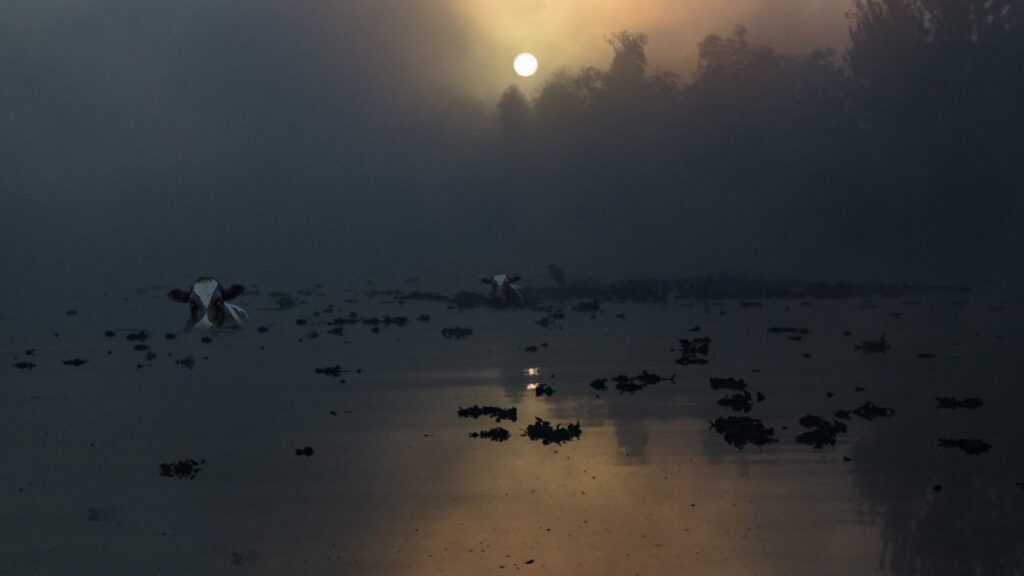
[629,421]
[972,525]
[632,441]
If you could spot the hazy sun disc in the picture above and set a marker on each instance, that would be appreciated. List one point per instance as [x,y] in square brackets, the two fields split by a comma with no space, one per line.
[525,64]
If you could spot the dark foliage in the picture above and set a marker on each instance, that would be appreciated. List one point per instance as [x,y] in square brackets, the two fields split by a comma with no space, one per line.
[742,430]
[543,430]
[495,412]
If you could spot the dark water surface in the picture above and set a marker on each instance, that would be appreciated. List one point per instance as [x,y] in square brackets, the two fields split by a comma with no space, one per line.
[396,485]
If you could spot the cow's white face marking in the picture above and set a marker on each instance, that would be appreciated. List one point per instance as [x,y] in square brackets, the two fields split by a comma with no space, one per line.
[503,287]
[204,289]
[208,306]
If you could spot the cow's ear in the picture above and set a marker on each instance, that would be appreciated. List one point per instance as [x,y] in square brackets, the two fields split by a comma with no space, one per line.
[179,295]
[514,279]
[487,280]
[234,291]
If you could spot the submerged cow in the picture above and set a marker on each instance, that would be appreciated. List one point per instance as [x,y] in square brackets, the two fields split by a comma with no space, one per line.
[504,290]
[209,306]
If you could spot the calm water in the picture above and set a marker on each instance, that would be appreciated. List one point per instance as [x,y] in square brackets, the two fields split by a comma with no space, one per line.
[396,485]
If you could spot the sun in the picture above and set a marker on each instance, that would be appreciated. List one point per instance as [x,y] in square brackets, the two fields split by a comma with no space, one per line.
[525,64]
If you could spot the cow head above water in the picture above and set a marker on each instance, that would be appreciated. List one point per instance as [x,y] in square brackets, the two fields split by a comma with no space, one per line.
[505,290]
[208,304]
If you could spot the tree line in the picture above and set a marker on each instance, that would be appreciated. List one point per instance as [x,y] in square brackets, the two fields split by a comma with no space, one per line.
[912,134]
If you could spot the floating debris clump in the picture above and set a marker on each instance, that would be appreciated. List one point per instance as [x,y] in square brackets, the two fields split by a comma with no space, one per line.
[739,431]
[632,384]
[495,412]
[102,514]
[333,371]
[181,469]
[494,434]
[949,403]
[543,390]
[735,384]
[788,330]
[693,351]
[307,451]
[869,411]
[456,332]
[821,432]
[971,446]
[738,402]
[879,346]
[592,307]
[76,362]
[543,430]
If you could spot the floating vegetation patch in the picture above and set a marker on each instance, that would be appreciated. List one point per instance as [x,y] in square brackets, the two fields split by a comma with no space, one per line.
[879,346]
[24,365]
[950,403]
[543,390]
[693,351]
[739,431]
[789,330]
[633,384]
[869,411]
[494,434]
[592,307]
[649,378]
[820,432]
[307,451]
[971,446]
[417,295]
[76,362]
[188,362]
[738,402]
[333,371]
[543,430]
[495,412]
[282,301]
[457,332]
[735,384]
[625,384]
[599,384]
[552,320]
[385,321]
[102,514]
[138,336]
[181,469]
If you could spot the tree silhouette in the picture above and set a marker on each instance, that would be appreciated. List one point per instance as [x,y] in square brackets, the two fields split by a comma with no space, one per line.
[514,111]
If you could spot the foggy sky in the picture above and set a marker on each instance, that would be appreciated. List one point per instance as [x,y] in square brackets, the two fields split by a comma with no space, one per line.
[146,141]
[573,33]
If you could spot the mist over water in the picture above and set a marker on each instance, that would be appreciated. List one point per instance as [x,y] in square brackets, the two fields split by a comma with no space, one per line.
[762,311]
[329,140]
